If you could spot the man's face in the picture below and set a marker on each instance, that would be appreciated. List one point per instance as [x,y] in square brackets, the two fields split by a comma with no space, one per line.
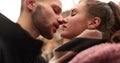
[45,17]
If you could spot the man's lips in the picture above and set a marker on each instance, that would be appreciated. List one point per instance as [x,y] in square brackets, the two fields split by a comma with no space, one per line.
[56,26]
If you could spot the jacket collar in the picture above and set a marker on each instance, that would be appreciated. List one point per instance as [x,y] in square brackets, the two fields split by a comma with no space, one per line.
[67,51]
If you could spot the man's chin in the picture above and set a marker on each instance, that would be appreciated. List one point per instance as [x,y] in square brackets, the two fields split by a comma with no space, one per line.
[50,36]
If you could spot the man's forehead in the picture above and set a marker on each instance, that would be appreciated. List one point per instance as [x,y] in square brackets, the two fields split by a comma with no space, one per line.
[57,1]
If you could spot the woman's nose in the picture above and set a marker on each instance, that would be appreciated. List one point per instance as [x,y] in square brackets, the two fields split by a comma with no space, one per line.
[61,20]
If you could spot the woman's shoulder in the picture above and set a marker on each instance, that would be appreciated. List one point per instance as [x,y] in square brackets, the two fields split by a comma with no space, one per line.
[105,52]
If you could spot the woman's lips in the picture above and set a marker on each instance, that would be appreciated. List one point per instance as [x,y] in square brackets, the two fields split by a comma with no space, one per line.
[64,26]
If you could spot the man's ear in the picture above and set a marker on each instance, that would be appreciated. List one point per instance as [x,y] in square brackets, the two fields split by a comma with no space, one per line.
[29,4]
[94,23]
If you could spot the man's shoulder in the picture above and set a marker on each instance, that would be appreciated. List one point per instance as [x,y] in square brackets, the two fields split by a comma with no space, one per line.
[2,42]
[4,20]
[1,52]
[3,17]
[6,26]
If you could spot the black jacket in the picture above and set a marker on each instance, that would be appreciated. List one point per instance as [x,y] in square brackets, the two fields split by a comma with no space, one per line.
[16,45]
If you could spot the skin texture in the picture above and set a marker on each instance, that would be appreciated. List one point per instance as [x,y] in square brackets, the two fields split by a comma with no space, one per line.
[78,21]
[41,17]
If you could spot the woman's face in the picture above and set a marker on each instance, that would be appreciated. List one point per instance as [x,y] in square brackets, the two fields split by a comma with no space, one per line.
[76,22]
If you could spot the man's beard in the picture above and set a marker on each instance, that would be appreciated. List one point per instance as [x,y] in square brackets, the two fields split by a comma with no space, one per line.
[41,23]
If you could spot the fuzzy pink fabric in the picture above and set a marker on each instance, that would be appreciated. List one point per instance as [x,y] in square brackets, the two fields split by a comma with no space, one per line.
[102,53]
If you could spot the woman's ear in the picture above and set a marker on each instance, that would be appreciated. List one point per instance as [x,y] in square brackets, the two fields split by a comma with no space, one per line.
[30,4]
[94,23]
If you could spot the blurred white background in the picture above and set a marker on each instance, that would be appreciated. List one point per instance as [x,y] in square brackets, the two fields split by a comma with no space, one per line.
[11,8]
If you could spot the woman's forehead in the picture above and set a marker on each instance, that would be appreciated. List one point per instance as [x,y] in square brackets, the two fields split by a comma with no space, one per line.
[81,5]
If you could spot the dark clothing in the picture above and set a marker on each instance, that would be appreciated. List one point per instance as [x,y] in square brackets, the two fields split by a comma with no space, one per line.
[16,45]
[66,52]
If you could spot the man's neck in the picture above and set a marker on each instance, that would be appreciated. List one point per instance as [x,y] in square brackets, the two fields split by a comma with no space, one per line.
[25,21]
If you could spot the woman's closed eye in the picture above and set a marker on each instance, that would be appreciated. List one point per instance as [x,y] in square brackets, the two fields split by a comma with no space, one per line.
[73,12]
